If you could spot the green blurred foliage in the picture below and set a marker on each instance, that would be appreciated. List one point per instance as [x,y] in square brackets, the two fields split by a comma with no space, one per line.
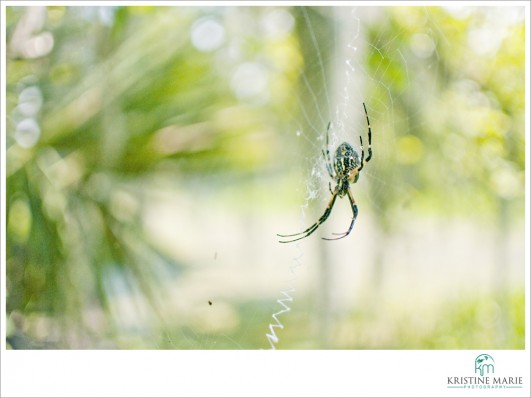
[455,80]
[122,100]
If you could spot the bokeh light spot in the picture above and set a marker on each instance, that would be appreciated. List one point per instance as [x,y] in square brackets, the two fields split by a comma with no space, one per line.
[27,133]
[207,34]
[250,80]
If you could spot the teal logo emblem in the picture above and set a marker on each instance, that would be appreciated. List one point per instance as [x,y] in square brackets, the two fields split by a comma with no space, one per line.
[484,364]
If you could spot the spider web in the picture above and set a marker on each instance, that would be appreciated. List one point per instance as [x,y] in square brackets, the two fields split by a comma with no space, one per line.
[334,87]
[345,92]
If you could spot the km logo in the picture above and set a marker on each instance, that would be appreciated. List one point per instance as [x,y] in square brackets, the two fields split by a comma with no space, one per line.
[484,364]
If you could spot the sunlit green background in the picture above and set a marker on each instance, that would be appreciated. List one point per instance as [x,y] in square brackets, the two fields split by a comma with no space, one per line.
[153,154]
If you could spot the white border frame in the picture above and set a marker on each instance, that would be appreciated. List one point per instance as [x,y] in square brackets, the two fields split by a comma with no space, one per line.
[250,373]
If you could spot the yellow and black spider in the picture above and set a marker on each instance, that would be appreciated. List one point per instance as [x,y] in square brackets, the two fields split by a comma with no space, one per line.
[345,171]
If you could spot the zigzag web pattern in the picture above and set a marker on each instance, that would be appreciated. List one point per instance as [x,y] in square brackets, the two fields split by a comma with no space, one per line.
[277,324]
[272,337]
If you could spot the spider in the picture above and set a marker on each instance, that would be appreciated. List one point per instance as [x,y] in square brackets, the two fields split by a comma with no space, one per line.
[345,171]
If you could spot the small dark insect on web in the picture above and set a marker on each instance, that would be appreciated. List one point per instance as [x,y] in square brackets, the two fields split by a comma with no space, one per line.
[344,170]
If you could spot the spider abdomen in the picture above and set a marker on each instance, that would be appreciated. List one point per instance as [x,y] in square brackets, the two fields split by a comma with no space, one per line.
[346,160]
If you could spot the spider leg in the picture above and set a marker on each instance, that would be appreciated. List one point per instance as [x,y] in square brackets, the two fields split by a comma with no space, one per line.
[326,155]
[370,134]
[360,167]
[311,229]
[354,216]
